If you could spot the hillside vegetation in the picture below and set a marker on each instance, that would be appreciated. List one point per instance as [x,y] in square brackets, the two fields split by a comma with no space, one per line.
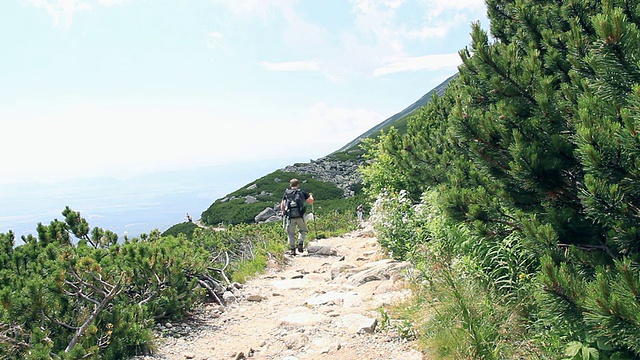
[72,292]
[517,192]
[242,205]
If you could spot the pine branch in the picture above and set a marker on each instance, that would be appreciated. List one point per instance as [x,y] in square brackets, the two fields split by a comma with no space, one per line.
[115,290]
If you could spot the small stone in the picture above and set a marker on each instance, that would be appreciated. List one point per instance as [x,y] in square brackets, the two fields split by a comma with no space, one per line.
[255,298]
[189,355]
[168,325]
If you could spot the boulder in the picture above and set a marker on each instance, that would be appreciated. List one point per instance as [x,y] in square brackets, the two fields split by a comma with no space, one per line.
[265,214]
[379,270]
[274,218]
[322,250]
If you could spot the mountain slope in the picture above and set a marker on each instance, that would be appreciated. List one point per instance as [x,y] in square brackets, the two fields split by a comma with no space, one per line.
[334,179]
[424,100]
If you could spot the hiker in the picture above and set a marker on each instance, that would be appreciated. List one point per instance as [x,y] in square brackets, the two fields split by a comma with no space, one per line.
[189,219]
[360,212]
[292,206]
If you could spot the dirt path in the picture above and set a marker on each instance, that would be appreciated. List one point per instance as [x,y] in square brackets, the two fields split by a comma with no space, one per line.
[315,307]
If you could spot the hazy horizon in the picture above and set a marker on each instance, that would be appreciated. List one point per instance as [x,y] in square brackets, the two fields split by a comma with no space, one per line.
[128,206]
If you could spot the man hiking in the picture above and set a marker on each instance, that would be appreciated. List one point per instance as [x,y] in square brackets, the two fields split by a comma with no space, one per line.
[292,206]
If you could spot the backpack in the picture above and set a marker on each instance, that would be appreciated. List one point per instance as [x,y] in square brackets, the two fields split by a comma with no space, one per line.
[294,203]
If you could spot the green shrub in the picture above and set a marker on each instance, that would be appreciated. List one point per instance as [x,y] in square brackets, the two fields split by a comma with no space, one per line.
[186,228]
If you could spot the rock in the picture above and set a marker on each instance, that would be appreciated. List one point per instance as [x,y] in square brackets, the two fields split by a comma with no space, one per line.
[274,218]
[250,199]
[295,341]
[254,298]
[302,319]
[189,355]
[329,297]
[252,187]
[379,270]
[322,250]
[340,269]
[229,297]
[168,325]
[265,214]
[359,323]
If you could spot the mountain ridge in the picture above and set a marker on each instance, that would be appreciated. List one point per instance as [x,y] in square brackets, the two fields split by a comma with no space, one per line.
[335,178]
[424,100]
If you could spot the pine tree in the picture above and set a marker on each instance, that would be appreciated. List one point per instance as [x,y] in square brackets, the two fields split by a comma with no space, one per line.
[540,143]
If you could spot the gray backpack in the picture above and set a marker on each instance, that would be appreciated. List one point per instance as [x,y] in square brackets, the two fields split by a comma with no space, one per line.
[294,203]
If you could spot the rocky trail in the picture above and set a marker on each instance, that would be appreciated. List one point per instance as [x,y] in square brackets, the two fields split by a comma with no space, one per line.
[324,304]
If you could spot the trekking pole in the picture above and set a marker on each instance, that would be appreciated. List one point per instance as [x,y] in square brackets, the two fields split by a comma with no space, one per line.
[315,227]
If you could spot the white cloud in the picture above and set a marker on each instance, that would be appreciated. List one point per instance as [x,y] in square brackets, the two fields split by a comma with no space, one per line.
[112,2]
[249,9]
[291,66]
[63,12]
[378,31]
[428,62]
[437,7]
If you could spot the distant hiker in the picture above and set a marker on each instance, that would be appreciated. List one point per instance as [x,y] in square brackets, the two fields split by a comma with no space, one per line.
[292,206]
[189,218]
[360,212]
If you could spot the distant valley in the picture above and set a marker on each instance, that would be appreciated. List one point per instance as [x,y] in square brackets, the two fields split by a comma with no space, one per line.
[133,206]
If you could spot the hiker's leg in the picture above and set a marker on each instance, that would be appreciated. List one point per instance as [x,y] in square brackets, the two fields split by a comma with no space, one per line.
[291,233]
[303,230]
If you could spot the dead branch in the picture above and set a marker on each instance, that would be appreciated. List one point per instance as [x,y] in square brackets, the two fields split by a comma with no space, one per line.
[221,271]
[113,292]
[210,291]
[13,341]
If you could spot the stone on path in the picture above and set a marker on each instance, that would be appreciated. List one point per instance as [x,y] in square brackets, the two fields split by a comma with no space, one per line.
[302,316]
[358,323]
[330,297]
[255,298]
[322,250]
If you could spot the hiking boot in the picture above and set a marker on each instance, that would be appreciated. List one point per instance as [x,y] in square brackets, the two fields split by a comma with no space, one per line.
[300,248]
[292,251]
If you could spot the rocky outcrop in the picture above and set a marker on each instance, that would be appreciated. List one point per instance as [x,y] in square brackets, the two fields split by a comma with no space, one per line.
[343,173]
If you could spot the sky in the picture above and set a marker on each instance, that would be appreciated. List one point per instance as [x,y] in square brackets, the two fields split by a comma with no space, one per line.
[119,88]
